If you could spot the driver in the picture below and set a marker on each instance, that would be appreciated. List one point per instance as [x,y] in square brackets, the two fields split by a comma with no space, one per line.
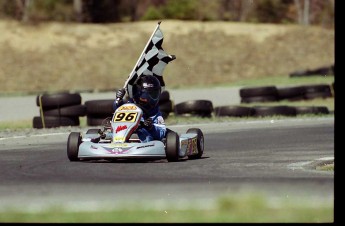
[146,94]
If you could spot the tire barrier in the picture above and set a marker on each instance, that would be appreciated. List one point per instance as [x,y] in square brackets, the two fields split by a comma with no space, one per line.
[98,110]
[294,93]
[311,110]
[59,109]
[64,108]
[259,94]
[166,105]
[233,111]
[201,108]
[328,70]
[263,111]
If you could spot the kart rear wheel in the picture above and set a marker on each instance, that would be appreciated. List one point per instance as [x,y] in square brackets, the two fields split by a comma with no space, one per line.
[172,146]
[73,142]
[200,142]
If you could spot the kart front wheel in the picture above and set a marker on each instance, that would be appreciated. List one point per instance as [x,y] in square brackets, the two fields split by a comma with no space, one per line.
[200,142]
[172,146]
[73,142]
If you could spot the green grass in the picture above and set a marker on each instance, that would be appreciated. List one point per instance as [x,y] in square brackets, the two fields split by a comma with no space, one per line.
[241,208]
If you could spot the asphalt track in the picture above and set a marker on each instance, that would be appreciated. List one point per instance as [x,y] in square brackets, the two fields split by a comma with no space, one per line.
[271,157]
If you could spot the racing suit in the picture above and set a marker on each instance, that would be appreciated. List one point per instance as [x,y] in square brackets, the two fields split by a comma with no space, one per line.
[157,130]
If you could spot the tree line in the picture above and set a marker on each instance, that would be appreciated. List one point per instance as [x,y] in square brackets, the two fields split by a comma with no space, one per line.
[306,12]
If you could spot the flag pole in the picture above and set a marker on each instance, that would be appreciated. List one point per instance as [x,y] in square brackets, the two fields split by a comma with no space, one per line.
[153,33]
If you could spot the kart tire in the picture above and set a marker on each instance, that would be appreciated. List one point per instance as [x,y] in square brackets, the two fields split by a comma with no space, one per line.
[200,142]
[172,146]
[73,142]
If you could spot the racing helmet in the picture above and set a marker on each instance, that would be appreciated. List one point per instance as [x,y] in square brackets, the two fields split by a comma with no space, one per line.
[146,92]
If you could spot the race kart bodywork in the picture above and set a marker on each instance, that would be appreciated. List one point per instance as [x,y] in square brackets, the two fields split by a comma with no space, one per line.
[118,140]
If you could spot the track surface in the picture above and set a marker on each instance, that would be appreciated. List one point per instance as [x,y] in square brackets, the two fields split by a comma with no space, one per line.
[265,156]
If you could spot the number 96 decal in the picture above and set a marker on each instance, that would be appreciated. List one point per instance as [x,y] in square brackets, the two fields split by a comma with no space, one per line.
[125,116]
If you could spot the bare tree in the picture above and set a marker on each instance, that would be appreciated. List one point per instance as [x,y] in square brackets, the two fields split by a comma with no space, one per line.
[23,8]
[306,12]
[302,11]
[78,10]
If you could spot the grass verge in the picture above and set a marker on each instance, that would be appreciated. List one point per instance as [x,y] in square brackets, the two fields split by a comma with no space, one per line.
[241,208]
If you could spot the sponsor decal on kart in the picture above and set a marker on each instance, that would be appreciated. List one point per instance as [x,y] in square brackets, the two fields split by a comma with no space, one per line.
[127,108]
[125,116]
[117,145]
[192,146]
[146,146]
[117,151]
[115,139]
[119,128]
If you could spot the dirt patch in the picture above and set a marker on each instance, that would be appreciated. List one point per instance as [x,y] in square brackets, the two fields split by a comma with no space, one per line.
[56,56]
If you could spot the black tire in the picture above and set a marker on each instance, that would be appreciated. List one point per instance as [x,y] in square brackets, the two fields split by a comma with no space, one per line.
[73,142]
[259,91]
[310,96]
[99,107]
[165,115]
[69,111]
[319,88]
[54,121]
[200,142]
[233,111]
[274,110]
[259,99]
[194,107]
[311,110]
[165,96]
[172,146]
[96,120]
[58,100]
[167,106]
[291,93]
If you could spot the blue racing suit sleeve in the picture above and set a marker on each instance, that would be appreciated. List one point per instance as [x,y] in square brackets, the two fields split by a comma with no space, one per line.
[157,132]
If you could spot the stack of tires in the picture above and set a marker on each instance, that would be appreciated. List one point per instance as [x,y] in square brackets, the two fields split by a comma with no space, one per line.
[166,105]
[98,110]
[259,94]
[294,93]
[59,109]
[199,108]
[233,111]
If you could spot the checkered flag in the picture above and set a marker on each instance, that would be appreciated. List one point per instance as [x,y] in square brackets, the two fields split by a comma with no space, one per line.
[151,62]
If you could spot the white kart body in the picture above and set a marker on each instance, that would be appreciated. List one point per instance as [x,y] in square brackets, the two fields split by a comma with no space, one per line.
[125,121]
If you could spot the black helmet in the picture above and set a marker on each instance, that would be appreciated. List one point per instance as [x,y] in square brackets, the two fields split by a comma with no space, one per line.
[146,92]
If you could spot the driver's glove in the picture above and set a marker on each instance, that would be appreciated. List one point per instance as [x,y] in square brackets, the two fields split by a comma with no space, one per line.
[148,123]
[120,94]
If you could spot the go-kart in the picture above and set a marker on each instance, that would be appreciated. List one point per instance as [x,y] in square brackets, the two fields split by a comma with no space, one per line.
[118,140]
